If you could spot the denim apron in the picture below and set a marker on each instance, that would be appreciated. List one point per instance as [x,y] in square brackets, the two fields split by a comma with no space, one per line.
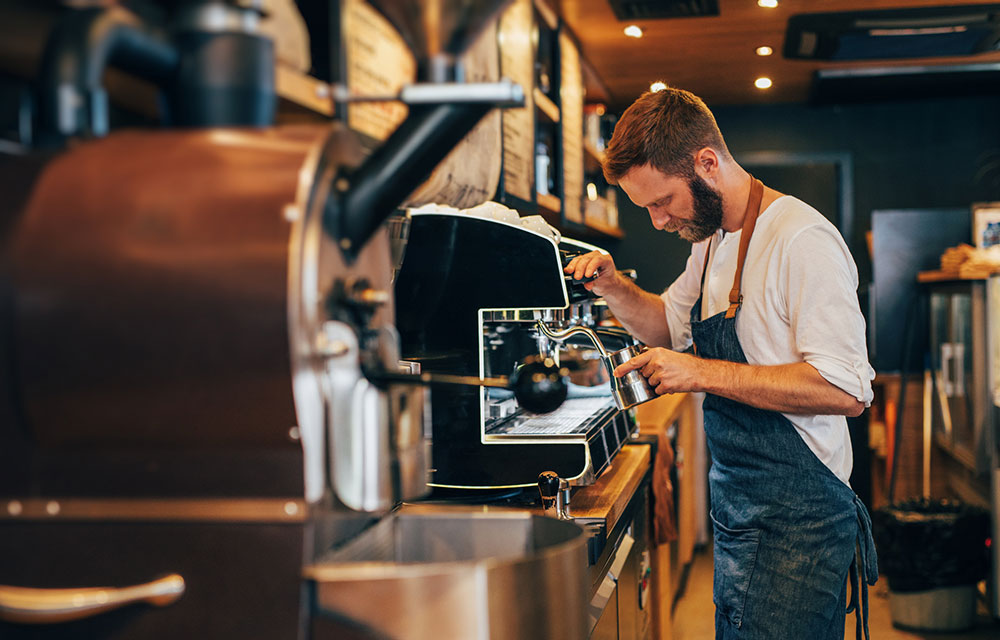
[788,531]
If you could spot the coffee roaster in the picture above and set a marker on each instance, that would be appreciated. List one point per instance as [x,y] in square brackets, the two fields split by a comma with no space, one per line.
[203,410]
[476,294]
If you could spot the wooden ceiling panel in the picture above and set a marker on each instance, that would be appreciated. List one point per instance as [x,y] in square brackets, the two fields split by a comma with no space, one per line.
[715,56]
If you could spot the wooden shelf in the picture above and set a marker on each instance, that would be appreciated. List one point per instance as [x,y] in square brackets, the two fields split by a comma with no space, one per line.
[946,276]
[599,220]
[593,152]
[606,230]
[549,203]
[550,208]
[546,106]
[303,90]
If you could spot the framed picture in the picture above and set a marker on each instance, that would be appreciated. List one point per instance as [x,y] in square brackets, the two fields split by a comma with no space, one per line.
[986,224]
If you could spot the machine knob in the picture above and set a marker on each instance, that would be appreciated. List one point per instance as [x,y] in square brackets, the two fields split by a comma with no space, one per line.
[555,494]
[548,486]
[539,385]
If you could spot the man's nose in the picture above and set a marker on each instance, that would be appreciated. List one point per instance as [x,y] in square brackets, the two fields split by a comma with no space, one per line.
[659,220]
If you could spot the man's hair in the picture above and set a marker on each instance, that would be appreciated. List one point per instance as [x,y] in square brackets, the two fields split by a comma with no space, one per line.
[664,129]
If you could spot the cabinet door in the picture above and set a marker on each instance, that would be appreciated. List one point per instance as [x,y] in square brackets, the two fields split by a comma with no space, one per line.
[607,625]
[963,377]
[940,363]
[992,320]
[957,370]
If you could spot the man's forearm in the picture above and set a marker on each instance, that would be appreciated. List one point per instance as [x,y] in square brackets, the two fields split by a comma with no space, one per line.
[788,388]
[641,312]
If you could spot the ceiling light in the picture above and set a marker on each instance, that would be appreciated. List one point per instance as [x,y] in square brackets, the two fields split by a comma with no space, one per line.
[762,83]
[657,86]
[767,4]
[633,31]
[764,51]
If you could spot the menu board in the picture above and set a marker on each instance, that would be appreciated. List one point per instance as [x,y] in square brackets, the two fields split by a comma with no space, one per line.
[571,117]
[517,63]
[470,174]
[378,63]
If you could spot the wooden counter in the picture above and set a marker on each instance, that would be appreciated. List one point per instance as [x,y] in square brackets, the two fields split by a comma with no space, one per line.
[663,411]
[607,498]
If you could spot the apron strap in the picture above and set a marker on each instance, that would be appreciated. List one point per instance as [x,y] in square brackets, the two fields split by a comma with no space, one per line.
[865,564]
[749,222]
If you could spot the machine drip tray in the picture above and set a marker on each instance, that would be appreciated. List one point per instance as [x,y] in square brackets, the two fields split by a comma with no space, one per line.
[577,416]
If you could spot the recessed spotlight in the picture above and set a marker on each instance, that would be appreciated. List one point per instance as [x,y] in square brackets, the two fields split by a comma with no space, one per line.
[657,86]
[764,51]
[633,31]
[762,83]
[767,4]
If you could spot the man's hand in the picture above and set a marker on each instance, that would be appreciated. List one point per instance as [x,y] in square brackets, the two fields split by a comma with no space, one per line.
[666,371]
[639,311]
[595,263]
[796,388]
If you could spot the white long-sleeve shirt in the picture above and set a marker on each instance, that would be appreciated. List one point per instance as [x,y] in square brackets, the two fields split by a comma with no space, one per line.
[800,304]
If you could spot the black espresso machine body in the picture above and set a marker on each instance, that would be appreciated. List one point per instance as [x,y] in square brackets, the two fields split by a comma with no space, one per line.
[469,293]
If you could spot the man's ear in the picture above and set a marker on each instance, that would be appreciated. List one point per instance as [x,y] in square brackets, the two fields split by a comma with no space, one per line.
[706,163]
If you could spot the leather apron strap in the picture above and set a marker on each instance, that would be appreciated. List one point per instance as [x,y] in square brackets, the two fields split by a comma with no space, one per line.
[749,222]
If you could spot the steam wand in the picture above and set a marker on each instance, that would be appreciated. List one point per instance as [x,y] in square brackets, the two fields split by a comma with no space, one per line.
[562,336]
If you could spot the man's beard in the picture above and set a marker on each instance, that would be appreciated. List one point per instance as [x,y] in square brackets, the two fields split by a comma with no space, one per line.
[707,212]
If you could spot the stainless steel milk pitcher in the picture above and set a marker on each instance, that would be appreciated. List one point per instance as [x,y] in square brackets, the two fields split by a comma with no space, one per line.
[629,390]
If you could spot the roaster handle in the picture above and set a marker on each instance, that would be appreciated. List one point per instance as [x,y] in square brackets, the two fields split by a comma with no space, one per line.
[47,606]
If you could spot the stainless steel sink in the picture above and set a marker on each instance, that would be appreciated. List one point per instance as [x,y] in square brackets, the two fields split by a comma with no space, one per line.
[470,573]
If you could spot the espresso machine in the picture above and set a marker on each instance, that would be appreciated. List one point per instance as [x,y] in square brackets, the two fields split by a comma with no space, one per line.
[206,425]
[477,293]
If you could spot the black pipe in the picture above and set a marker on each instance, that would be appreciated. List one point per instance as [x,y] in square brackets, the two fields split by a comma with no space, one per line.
[84,43]
[224,80]
[395,169]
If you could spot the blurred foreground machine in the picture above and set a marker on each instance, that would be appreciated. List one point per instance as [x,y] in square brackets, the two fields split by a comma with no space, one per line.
[204,431]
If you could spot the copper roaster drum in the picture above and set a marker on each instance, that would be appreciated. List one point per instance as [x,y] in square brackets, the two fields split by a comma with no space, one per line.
[161,289]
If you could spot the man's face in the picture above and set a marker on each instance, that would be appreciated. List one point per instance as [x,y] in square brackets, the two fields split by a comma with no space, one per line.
[690,207]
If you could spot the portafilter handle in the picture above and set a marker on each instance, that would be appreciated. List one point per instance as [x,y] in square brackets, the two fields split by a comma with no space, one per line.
[539,384]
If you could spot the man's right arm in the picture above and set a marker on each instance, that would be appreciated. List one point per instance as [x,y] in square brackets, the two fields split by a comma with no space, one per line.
[641,312]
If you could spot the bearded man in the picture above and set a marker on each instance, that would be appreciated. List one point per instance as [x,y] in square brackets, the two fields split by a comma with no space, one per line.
[768,314]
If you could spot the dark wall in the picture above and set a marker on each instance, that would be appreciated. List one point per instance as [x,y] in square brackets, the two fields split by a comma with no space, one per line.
[917,154]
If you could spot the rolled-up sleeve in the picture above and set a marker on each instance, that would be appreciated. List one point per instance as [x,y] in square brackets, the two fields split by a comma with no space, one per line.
[681,296]
[821,284]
